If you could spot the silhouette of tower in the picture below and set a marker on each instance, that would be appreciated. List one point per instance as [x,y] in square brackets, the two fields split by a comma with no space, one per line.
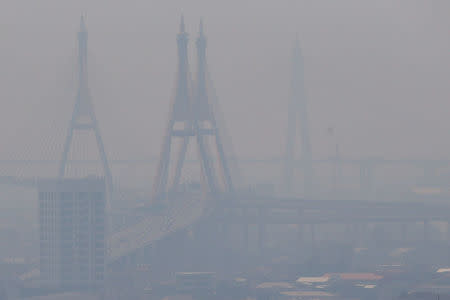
[83,116]
[297,115]
[194,111]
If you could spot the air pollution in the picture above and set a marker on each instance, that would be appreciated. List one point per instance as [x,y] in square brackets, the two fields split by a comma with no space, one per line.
[289,149]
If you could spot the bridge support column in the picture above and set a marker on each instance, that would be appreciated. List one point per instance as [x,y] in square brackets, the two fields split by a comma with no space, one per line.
[349,234]
[356,230]
[245,229]
[448,231]
[354,233]
[448,240]
[366,171]
[261,230]
[359,233]
[300,234]
[337,172]
[404,232]
[124,274]
[364,232]
[261,238]
[225,231]
[299,227]
[429,173]
[426,231]
[312,229]
[245,241]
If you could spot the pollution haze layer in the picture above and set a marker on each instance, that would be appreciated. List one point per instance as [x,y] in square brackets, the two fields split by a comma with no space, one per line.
[375,71]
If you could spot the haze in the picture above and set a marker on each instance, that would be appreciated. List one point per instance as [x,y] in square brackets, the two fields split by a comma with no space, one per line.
[350,201]
[376,71]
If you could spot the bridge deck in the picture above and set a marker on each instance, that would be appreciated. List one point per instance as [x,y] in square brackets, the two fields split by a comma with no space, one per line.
[178,215]
[187,210]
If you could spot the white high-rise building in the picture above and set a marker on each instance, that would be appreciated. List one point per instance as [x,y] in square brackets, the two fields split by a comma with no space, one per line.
[72,220]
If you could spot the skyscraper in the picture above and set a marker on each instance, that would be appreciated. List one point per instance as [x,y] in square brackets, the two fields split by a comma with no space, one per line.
[72,232]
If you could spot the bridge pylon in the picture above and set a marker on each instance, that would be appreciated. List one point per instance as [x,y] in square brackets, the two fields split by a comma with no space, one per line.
[83,115]
[298,116]
[192,116]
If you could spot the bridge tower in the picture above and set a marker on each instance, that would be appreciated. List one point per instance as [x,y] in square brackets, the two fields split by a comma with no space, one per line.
[83,116]
[298,116]
[192,116]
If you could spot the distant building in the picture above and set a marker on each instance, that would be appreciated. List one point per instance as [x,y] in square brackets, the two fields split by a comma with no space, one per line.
[312,295]
[65,296]
[195,282]
[10,270]
[72,233]
[424,296]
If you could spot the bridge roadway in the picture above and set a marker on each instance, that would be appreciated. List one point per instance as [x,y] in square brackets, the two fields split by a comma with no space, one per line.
[245,160]
[20,181]
[248,209]
[178,215]
[269,210]
[252,209]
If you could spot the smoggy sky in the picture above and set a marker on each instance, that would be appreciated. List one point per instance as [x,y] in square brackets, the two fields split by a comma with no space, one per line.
[378,72]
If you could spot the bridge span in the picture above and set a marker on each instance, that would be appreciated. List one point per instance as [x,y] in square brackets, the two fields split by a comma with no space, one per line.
[246,210]
[273,210]
[178,215]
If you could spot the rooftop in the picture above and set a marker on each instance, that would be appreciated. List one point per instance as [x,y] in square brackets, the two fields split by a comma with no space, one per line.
[307,294]
[360,276]
[271,285]
[308,280]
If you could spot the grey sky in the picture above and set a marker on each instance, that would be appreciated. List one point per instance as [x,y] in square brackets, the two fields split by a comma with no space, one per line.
[376,71]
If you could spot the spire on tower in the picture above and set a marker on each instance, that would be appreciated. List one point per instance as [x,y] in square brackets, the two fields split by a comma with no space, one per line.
[192,119]
[182,35]
[297,113]
[82,24]
[201,42]
[182,27]
[83,115]
[200,29]
[297,51]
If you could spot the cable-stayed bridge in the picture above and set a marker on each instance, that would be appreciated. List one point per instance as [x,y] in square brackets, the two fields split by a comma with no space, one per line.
[194,129]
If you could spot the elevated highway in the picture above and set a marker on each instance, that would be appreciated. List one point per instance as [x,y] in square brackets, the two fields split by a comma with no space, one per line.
[20,181]
[248,209]
[177,216]
[270,210]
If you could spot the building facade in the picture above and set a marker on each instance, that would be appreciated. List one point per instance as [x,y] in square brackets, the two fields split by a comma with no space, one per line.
[72,217]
